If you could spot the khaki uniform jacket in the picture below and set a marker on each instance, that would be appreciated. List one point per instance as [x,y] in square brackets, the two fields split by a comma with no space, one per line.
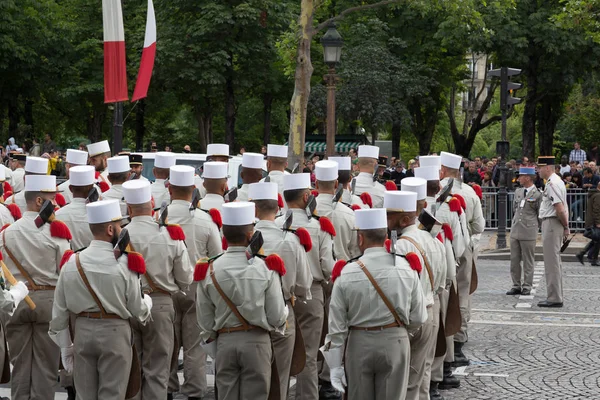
[116,193]
[525,223]
[243,192]
[320,257]
[36,250]
[202,236]
[19,200]
[364,183]
[66,192]
[18,181]
[250,285]
[167,260]
[277,177]
[297,279]
[160,192]
[445,216]
[75,216]
[5,216]
[117,288]
[592,215]
[555,192]
[345,242]
[350,199]
[355,302]
[474,212]
[211,201]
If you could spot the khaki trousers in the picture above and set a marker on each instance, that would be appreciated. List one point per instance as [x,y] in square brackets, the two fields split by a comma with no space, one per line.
[430,356]
[437,368]
[154,342]
[102,358]
[552,238]
[34,356]
[187,334]
[522,251]
[420,342]
[310,317]
[463,281]
[243,365]
[283,348]
[377,364]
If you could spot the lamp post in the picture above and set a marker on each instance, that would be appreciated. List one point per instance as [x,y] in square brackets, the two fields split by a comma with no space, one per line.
[332,51]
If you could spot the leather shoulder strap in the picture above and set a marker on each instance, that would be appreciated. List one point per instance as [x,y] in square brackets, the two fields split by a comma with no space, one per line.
[422,252]
[386,301]
[153,286]
[89,287]
[230,304]
[20,267]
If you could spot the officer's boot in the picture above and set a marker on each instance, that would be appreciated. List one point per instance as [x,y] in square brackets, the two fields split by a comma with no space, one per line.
[327,392]
[71,395]
[460,360]
[450,381]
[434,393]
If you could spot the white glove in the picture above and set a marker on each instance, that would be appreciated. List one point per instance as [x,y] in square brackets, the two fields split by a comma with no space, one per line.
[333,357]
[67,356]
[148,301]
[210,348]
[18,292]
[338,379]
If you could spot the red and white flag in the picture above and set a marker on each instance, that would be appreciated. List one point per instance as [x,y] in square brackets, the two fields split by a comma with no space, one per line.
[148,55]
[115,72]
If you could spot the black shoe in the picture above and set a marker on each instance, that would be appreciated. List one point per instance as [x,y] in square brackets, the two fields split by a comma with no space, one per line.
[595,263]
[460,360]
[580,258]
[525,292]
[551,304]
[450,381]
[71,395]
[169,396]
[194,398]
[327,392]
[513,291]
[434,393]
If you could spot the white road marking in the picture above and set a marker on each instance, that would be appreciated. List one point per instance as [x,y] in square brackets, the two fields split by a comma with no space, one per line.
[516,323]
[536,312]
[490,375]
[523,305]
[460,371]
[529,297]
[583,276]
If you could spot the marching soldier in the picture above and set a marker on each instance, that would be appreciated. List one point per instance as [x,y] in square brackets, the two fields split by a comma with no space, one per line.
[168,271]
[99,152]
[375,338]
[18,172]
[118,173]
[401,209]
[162,162]
[74,158]
[365,182]
[523,232]
[214,152]
[33,166]
[104,293]
[239,302]
[345,242]
[310,313]
[419,186]
[345,179]
[137,166]
[277,156]
[297,279]
[555,229]
[33,247]
[203,240]
[7,210]
[74,214]
[252,172]
[215,183]
[475,224]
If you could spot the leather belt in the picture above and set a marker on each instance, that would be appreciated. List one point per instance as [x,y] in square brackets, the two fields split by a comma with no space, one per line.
[239,328]
[39,287]
[374,328]
[159,292]
[545,218]
[97,315]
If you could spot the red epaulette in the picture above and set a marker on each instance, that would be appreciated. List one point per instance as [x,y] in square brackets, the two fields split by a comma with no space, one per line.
[314,193]
[216,217]
[463,203]
[6,187]
[478,191]
[280,202]
[103,186]
[201,269]
[59,229]
[6,195]
[337,269]
[4,227]
[367,199]
[355,207]
[66,256]
[439,237]
[305,239]
[15,211]
[176,232]
[391,185]
[275,263]
[448,232]
[136,263]
[60,200]
[224,244]
[454,205]
[388,245]
[414,262]
[327,225]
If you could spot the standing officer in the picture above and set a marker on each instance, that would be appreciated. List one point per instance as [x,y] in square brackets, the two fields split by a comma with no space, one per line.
[252,172]
[367,164]
[203,240]
[18,172]
[33,166]
[163,160]
[137,166]
[374,338]
[276,164]
[33,249]
[118,173]
[345,179]
[345,242]
[297,279]
[168,271]
[99,152]
[555,229]
[104,293]
[74,158]
[523,232]
[239,302]
[74,214]
[215,183]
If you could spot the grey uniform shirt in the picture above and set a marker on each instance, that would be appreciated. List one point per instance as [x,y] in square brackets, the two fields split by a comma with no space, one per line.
[243,192]
[474,217]
[350,199]
[355,302]
[66,192]
[555,192]
[36,250]
[526,207]
[297,279]
[17,181]
[276,177]
[19,200]
[345,242]
[117,288]
[75,216]
[5,216]
[167,260]
[202,236]
[160,192]
[250,285]
[320,257]
[365,183]
[116,193]
[211,201]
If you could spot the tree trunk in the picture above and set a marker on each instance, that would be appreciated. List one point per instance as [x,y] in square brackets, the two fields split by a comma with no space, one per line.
[396,132]
[530,112]
[29,118]
[94,124]
[423,125]
[204,120]
[13,119]
[267,108]
[548,116]
[229,111]
[140,125]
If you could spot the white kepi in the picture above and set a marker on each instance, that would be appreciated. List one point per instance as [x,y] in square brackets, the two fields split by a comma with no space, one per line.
[41,183]
[326,171]
[36,165]
[82,175]
[277,150]
[252,160]
[366,151]
[181,175]
[296,181]
[427,173]
[77,157]
[101,212]
[118,164]
[164,159]
[98,148]
[374,218]
[344,163]
[400,201]
[215,170]
[450,160]
[137,192]
[263,191]
[417,185]
[238,213]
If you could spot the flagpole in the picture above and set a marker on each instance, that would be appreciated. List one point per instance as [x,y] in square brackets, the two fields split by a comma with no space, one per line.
[118,128]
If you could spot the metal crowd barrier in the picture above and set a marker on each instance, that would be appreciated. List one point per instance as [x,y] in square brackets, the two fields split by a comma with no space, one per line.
[576,201]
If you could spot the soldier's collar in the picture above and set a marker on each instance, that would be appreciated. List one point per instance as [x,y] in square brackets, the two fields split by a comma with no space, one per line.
[373,250]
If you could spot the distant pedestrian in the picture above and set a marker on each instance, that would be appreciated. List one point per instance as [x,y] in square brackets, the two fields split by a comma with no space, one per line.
[35,148]
[577,154]
[471,176]
[49,146]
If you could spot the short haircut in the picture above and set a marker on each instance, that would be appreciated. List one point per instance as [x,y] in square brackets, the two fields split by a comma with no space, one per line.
[366,162]
[161,173]
[292,196]
[344,177]
[326,185]
[266,206]
[80,191]
[100,229]
[251,175]
[214,185]
[432,188]
[374,235]
[236,234]
[588,170]
[31,196]
[181,191]
[118,178]
[277,160]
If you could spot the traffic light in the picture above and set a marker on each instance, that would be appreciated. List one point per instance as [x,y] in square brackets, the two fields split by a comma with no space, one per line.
[507,88]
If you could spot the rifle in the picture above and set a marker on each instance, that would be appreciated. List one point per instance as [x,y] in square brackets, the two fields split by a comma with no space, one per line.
[255,245]
[311,206]
[46,214]
[162,216]
[195,200]
[231,195]
[338,195]
[353,186]
[287,222]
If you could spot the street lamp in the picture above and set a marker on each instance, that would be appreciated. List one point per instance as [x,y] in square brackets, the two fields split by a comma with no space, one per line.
[332,51]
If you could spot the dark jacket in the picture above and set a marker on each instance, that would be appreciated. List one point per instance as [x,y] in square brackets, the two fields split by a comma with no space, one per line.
[592,215]
[469,177]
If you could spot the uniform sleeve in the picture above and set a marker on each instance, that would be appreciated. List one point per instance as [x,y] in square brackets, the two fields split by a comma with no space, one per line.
[205,313]
[450,261]
[477,222]
[325,253]
[303,275]
[133,294]
[62,245]
[274,304]
[182,267]
[418,311]
[60,313]
[214,247]
[338,316]
[353,248]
